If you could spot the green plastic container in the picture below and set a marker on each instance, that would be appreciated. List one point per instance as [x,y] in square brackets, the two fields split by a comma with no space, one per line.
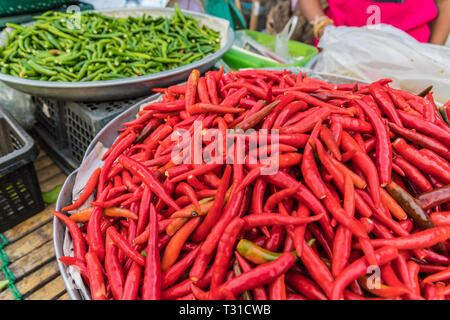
[237,59]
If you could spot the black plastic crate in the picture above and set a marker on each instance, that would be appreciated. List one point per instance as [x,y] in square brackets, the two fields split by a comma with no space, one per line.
[49,119]
[68,127]
[20,194]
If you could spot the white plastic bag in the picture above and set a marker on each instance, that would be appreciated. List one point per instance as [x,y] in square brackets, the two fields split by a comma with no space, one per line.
[282,38]
[374,52]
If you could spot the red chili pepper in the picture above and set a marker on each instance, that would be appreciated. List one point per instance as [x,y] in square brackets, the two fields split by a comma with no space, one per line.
[251,176]
[413,174]
[441,218]
[195,183]
[77,263]
[191,87]
[307,123]
[147,142]
[207,107]
[327,137]
[383,145]
[96,279]
[288,111]
[171,275]
[389,276]
[384,101]
[116,151]
[321,240]
[444,163]
[365,164]
[338,178]
[426,127]
[198,171]
[184,188]
[277,197]
[123,245]
[149,179]
[259,293]
[184,287]
[230,211]
[309,168]
[116,142]
[212,88]
[343,237]
[169,106]
[203,91]
[398,100]
[213,214]
[253,89]
[439,276]
[79,244]
[277,289]
[113,268]
[87,191]
[127,181]
[256,277]
[422,161]
[304,286]
[95,235]
[352,124]
[317,269]
[299,116]
[152,282]
[358,269]
[175,244]
[199,267]
[224,251]
[422,140]
[285,160]
[419,240]
[267,218]
[132,282]
[233,99]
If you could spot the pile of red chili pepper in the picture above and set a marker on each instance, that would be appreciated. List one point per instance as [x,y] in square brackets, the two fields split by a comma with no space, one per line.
[359,207]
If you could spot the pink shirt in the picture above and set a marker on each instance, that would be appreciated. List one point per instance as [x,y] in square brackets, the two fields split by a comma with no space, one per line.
[411,16]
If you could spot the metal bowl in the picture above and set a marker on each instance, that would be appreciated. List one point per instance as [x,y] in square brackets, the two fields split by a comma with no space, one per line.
[122,89]
[107,136]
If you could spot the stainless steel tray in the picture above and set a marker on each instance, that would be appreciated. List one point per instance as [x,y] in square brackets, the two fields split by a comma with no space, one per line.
[109,90]
[107,136]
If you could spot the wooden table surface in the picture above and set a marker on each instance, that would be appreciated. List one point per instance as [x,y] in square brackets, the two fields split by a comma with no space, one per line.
[30,245]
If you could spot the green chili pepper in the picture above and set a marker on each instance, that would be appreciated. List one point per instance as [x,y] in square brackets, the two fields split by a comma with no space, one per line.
[3,284]
[257,254]
[52,195]
[41,69]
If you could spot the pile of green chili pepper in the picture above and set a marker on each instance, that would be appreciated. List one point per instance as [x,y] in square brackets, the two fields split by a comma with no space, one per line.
[100,47]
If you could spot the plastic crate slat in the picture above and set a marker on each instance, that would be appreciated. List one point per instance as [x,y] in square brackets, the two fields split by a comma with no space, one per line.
[73,125]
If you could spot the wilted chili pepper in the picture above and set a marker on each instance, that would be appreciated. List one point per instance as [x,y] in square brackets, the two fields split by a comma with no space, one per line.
[434,197]
[410,205]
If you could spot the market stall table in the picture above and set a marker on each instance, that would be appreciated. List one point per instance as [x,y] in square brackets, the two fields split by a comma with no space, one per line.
[30,245]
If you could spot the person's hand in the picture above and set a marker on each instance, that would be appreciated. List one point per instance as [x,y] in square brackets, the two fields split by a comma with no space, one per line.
[321,30]
[320,24]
